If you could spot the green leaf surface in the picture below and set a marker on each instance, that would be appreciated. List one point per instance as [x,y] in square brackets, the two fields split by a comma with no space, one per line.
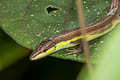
[29,22]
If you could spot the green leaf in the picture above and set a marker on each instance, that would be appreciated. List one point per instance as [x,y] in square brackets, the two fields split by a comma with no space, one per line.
[29,22]
[108,68]
[108,64]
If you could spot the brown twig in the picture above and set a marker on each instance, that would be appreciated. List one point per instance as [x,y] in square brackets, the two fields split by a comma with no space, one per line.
[85,44]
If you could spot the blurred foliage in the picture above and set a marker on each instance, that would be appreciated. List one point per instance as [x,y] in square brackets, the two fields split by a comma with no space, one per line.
[10,51]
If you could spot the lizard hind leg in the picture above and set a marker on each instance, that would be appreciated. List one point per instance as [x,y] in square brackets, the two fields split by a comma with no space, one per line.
[73,50]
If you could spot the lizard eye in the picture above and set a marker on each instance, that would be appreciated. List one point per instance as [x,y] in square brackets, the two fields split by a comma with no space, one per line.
[44,50]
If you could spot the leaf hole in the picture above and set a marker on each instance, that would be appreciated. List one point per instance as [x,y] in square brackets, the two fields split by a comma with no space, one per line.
[51,10]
